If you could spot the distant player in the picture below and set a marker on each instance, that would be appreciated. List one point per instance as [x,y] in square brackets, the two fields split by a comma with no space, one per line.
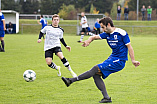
[54,34]
[42,22]
[84,25]
[119,42]
[2,31]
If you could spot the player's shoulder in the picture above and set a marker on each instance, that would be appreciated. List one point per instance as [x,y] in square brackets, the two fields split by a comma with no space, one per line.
[61,28]
[1,13]
[121,31]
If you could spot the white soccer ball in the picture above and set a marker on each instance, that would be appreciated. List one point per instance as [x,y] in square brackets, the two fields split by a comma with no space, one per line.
[29,75]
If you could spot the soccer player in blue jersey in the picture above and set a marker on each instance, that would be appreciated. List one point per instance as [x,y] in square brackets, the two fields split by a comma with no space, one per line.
[119,42]
[42,22]
[2,31]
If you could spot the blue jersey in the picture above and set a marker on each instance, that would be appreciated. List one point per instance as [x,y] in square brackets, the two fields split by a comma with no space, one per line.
[117,40]
[1,21]
[97,25]
[43,22]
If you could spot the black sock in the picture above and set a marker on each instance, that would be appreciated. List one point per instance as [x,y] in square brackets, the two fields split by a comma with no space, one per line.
[86,75]
[53,65]
[65,62]
[100,85]
[2,43]
[0,48]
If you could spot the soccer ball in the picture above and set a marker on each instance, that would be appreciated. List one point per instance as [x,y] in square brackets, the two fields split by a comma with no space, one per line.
[29,75]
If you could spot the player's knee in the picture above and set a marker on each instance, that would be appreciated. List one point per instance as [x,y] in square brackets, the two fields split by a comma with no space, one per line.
[94,70]
[48,62]
[65,62]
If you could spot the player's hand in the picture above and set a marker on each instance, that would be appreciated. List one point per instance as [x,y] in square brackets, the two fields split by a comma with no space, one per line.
[68,48]
[136,63]
[80,24]
[39,40]
[85,43]
[5,29]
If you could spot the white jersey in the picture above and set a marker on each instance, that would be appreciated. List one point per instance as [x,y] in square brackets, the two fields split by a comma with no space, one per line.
[53,36]
[84,19]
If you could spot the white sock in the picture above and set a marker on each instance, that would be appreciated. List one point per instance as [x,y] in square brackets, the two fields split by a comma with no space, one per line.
[81,37]
[69,68]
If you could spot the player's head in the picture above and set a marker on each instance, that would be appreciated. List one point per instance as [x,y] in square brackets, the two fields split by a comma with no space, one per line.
[55,20]
[41,16]
[97,19]
[106,24]
[82,14]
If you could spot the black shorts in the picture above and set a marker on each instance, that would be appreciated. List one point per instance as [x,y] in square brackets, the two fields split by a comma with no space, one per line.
[84,29]
[49,53]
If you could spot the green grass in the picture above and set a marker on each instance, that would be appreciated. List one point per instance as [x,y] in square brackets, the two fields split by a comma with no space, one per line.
[72,30]
[129,86]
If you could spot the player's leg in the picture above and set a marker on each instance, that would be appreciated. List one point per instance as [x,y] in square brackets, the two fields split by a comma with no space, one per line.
[86,31]
[83,76]
[49,58]
[101,86]
[66,63]
[43,37]
[82,34]
[2,44]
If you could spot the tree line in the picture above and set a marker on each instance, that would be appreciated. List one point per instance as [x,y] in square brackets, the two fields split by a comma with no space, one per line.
[70,7]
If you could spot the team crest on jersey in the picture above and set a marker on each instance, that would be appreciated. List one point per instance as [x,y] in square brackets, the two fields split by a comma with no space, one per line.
[115,37]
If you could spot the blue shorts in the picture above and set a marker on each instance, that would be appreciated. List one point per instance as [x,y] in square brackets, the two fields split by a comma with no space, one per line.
[2,33]
[111,65]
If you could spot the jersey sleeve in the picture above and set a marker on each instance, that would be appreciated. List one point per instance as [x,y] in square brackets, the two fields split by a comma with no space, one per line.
[61,36]
[126,39]
[103,35]
[61,33]
[2,17]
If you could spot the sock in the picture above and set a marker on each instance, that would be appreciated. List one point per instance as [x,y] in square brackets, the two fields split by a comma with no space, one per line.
[0,48]
[81,37]
[69,68]
[66,63]
[100,85]
[86,75]
[53,66]
[2,43]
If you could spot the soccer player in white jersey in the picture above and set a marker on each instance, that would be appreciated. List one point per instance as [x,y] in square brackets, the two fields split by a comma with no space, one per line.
[84,25]
[42,22]
[119,42]
[54,34]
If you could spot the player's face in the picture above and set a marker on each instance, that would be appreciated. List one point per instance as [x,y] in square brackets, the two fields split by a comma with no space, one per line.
[106,29]
[103,27]
[55,21]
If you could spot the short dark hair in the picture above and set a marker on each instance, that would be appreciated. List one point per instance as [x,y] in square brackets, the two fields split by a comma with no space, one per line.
[41,16]
[55,15]
[106,20]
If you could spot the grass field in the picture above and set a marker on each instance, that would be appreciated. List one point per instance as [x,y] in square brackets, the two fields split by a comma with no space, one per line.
[129,86]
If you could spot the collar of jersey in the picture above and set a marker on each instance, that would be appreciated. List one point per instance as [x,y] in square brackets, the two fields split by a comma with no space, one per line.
[113,31]
[54,27]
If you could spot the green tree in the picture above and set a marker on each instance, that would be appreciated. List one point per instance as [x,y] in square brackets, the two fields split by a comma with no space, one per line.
[91,8]
[113,13]
[10,5]
[67,12]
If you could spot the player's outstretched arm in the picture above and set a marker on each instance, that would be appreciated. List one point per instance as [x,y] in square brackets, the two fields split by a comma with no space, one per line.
[40,35]
[38,22]
[66,46]
[90,39]
[131,53]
